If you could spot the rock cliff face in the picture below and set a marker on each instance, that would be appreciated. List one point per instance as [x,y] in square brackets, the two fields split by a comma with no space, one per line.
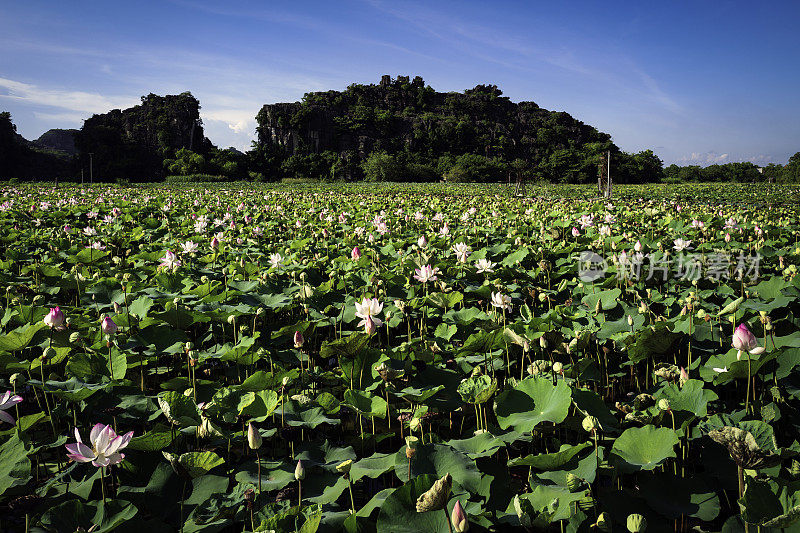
[133,143]
[402,115]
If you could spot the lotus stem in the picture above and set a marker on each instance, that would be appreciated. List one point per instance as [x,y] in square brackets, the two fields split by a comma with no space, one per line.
[447,517]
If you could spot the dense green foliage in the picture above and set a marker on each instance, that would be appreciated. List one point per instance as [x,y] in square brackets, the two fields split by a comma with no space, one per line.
[318,358]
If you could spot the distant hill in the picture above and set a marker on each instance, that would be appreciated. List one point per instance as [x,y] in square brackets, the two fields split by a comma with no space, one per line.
[428,131]
[57,140]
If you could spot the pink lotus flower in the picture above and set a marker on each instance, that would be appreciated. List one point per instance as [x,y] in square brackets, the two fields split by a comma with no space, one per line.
[106,446]
[8,400]
[214,242]
[108,326]
[425,274]
[576,232]
[355,255]
[298,339]
[368,311]
[745,341]
[170,260]
[55,318]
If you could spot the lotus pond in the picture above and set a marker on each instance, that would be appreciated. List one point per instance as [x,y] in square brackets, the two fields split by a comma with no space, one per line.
[399,358]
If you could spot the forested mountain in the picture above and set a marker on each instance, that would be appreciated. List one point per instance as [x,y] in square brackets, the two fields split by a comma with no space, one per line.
[133,143]
[421,134]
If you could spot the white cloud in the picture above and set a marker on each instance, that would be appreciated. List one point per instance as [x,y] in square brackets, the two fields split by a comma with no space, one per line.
[58,98]
[705,158]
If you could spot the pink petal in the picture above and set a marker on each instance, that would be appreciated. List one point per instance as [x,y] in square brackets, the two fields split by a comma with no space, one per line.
[7,417]
[96,431]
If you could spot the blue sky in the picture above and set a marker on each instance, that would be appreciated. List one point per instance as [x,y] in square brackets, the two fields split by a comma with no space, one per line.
[698,82]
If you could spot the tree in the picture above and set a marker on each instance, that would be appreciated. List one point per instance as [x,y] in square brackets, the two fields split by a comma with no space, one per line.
[185,163]
[792,169]
[380,166]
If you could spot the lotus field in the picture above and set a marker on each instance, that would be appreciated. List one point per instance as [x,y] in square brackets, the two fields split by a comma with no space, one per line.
[399,358]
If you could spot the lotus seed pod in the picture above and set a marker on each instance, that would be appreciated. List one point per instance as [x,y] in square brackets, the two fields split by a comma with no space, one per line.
[254,439]
[17,379]
[663,404]
[590,423]
[260,312]
[636,523]
[231,319]
[603,522]
[630,320]
[542,297]
[574,483]
[74,337]
[414,424]
[558,367]
[203,279]
[435,499]
[344,467]
[701,314]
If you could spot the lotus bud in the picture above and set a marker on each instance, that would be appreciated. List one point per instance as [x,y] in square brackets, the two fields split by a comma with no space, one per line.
[574,483]
[526,346]
[542,343]
[298,339]
[17,379]
[344,467]
[598,306]
[630,320]
[590,423]
[642,307]
[436,497]
[558,367]
[459,518]
[254,439]
[108,326]
[299,471]
[285,381]
[188,346]
[701,314]
[663,404]
[636,523]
